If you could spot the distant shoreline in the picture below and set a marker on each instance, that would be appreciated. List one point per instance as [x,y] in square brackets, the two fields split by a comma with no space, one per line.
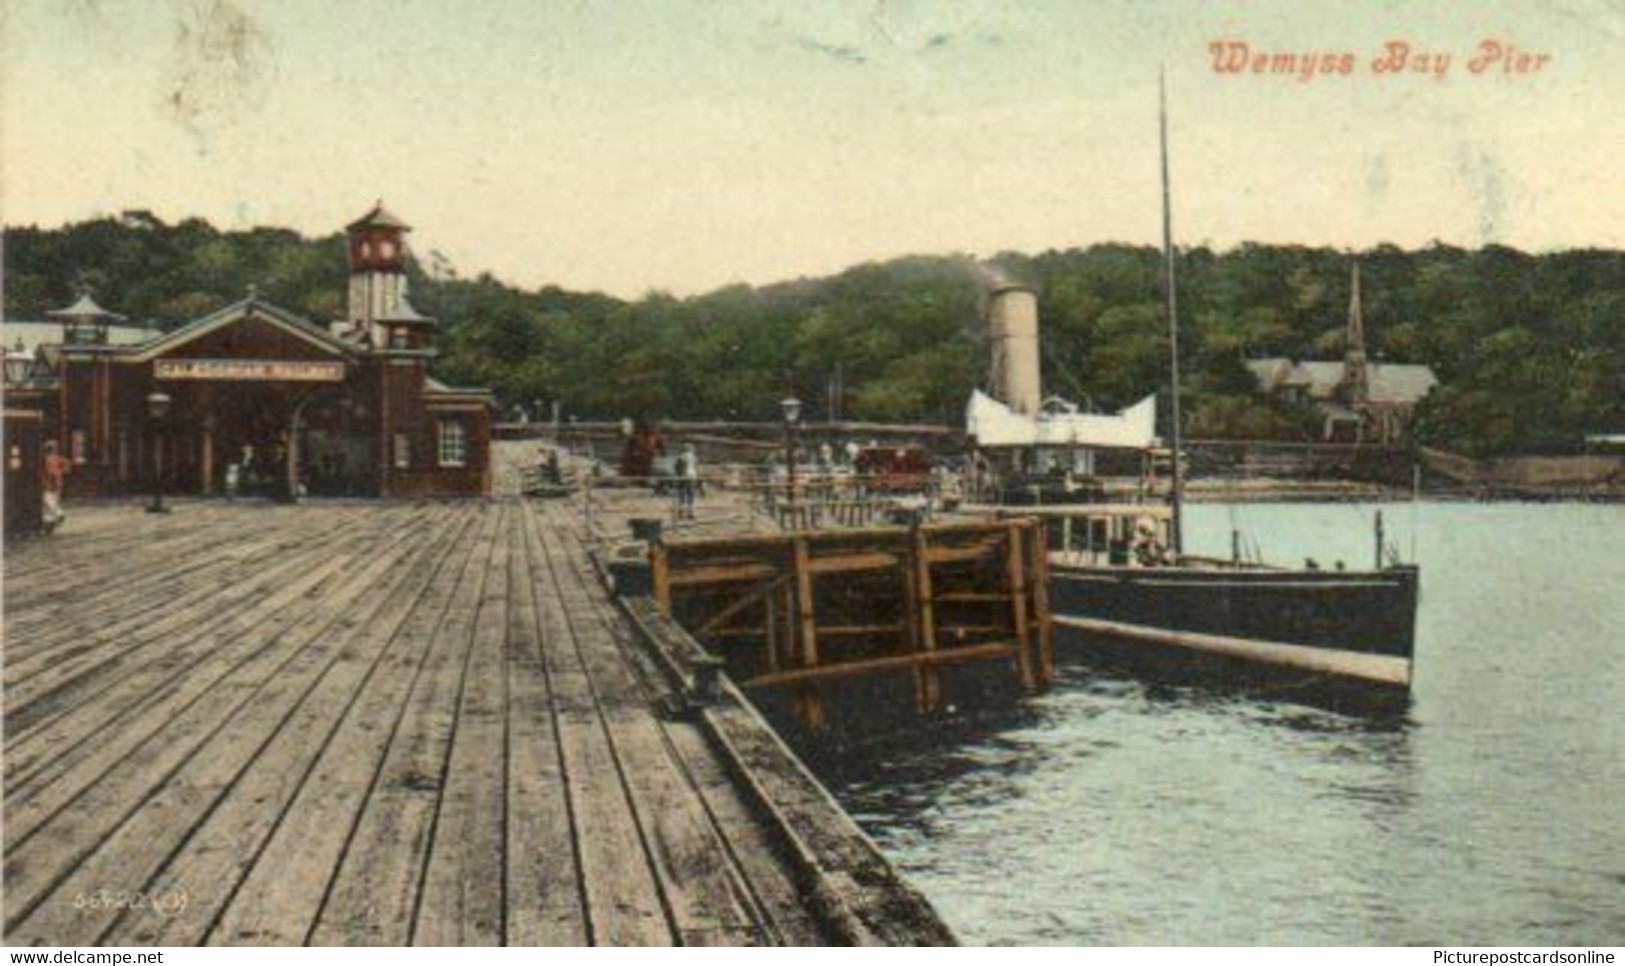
[1341,491]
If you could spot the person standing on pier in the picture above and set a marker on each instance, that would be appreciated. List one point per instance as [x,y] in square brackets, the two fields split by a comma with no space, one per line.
[688,481]
[56,472]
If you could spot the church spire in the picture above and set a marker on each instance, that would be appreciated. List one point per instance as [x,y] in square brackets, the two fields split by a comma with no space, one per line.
[1355,376]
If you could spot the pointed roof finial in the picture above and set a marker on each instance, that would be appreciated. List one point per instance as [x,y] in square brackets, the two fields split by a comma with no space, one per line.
[378,218]
[253,291]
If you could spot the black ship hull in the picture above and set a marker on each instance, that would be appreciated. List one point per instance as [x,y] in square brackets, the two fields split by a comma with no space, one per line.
[1370,612]
[1351,627]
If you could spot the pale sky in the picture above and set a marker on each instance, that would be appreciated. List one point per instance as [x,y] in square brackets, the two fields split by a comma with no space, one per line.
[680,145]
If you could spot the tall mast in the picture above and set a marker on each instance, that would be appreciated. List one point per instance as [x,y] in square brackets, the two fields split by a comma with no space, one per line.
[1177,494]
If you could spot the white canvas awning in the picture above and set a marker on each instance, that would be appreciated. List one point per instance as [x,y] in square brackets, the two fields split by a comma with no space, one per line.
[992,423]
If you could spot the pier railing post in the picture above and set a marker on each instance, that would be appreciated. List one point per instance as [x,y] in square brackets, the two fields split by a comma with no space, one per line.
[660,577]
[927,679]
[808,702]
[1039,578]
[1016,581]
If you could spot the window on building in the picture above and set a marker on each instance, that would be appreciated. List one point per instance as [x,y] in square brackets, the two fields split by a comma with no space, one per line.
[398,337]
[403,451]
[76,445]
[453,443]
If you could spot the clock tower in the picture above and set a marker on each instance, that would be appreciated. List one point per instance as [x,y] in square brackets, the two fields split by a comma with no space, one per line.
[380,313]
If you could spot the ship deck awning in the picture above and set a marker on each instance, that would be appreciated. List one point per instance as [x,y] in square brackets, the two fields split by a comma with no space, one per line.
[993,424]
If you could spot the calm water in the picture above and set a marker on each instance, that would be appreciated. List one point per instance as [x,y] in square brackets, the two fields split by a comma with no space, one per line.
[1113,812]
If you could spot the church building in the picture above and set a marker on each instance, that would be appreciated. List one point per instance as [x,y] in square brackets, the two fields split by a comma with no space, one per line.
[255,398]
[1359,401]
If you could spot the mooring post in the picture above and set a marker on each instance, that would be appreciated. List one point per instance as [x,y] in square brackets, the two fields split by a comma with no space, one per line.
[660,577]
[787,622]
[770,613]
[1041,613]
[705,679]
[808,701]
[1379,536]
[1015,579]
[927,679]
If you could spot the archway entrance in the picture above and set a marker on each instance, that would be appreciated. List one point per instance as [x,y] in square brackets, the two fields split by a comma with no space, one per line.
[334,456]
[246,439]
[270,440]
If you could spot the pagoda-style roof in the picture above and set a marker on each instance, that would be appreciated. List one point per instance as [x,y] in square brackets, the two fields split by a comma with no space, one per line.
[378,218]
[84,310]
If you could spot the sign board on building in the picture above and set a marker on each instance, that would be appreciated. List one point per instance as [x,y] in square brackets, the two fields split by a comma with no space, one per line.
[248,370]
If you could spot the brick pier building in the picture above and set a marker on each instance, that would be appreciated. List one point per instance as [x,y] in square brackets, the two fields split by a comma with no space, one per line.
[262,398]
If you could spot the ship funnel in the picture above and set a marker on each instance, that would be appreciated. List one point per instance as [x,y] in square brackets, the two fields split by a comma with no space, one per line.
[1012,321]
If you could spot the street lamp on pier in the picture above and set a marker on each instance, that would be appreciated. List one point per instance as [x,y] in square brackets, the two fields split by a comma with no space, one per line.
[157,408]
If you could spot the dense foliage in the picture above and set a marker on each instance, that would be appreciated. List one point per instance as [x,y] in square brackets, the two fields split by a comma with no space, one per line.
[1530,349]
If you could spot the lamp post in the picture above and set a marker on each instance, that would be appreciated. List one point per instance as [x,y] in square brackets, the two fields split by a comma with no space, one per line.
[157,409]
[792,414]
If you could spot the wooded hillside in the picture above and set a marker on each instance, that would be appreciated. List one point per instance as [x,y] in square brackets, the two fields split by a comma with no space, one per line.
[1530,349]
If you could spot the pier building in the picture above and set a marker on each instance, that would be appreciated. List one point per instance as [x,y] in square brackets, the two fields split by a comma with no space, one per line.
[254,397]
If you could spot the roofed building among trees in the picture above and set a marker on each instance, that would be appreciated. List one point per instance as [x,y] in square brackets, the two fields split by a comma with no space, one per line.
[1359,401]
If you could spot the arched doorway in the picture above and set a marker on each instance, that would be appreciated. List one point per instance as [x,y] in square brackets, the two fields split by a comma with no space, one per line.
[246,441]
[269,440]
[334,456]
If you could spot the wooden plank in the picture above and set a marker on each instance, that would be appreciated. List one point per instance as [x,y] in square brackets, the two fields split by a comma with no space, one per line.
[124,837]
[281,896]
[356,691]
[373,897]
[703,893]
[205,639]
[545,898]
[623,900]
[68,726]
[721,574]
[855,894]
[852,563]
[462,901]
[877,665]
[112,621]
[660,575]
[750,844]
[928,680]
[1151,511]
[809,705]
[717,620]
[752,847]
[1016,583]
[1037,540]
[199,699]
[40,629]
[897,535]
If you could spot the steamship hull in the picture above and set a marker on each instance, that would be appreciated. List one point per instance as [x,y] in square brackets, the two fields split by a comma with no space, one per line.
[1358,627]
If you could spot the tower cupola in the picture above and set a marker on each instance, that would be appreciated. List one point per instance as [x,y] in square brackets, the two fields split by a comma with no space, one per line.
[379,309]
[84,322]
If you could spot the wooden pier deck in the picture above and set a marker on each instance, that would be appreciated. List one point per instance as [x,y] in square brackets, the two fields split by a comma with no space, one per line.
[348,723]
